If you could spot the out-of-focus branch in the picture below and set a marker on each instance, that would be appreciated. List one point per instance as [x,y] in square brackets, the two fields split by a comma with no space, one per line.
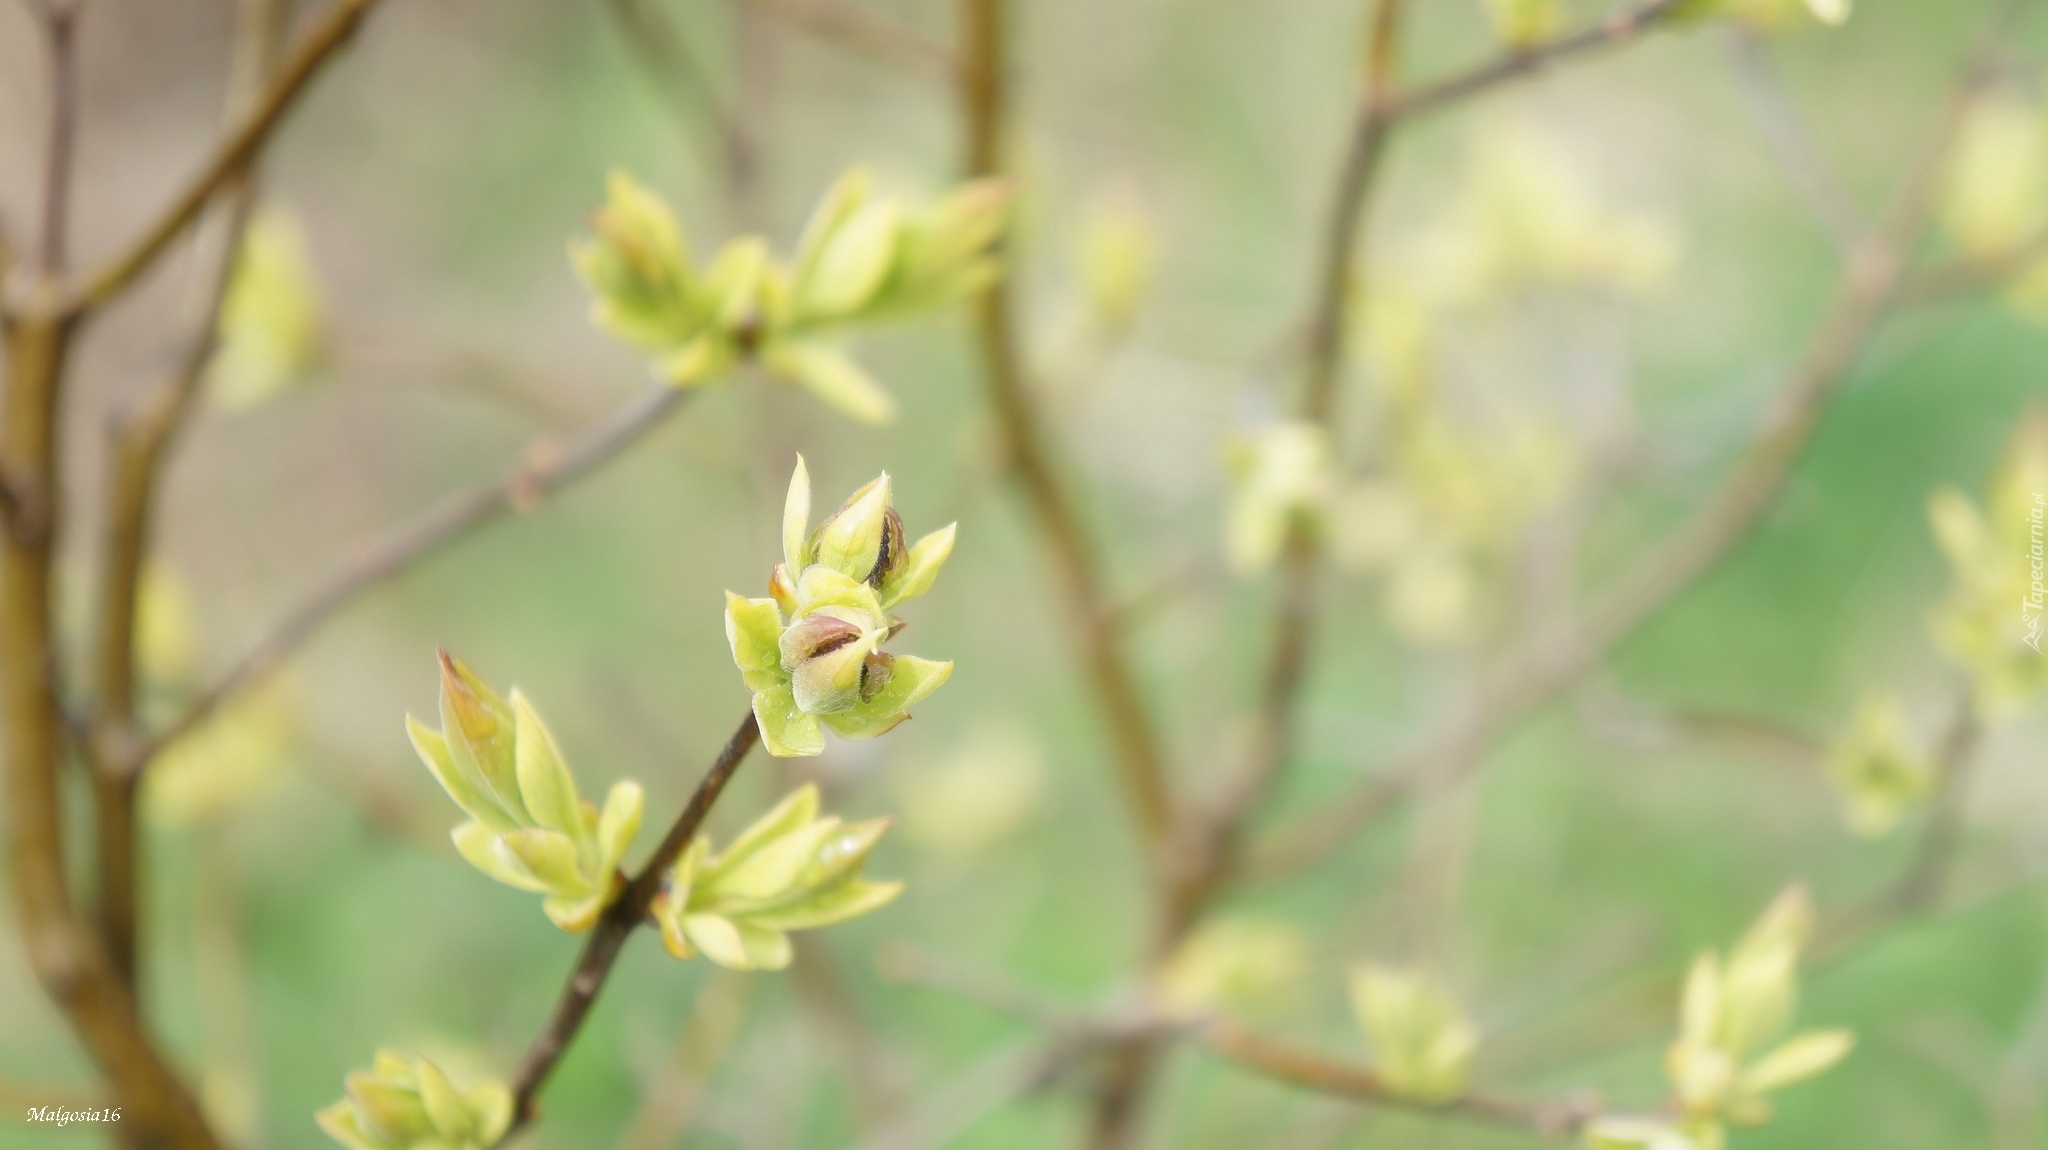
[1090,607]
[60,34]
[1313,1071]
[140,438]
[1926,879]
[615,926]
[669,1101]
[1531,677]
[859,30]
[1966,276]
[66,956]
[1618,28]
[543,470]
[1794,146]
[334,28]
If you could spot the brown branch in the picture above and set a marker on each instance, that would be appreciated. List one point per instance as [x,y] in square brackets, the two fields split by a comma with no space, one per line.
[1089,604]
[1531,677]
[140,441]
[615,926]
[1926,879]
[1313,1071]
[232,155]
[67,957]
[1618,28]
[543,470]
[60,33]
[881,39]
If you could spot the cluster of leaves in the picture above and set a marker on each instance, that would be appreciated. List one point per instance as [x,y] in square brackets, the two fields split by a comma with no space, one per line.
[863,258]
[791,870]
[1423,1042]
[528,828]
[1727,1058]
[410,1105]
[1991,624]
[1447,502]
[271,333]
[1881,777]
[811,651]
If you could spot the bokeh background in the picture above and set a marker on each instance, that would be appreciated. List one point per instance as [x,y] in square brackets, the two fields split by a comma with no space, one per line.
[306,908]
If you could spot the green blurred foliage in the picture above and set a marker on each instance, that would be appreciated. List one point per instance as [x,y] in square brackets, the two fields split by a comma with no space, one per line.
[436,176]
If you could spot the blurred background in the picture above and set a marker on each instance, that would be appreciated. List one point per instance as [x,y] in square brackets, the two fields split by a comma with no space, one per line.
[1591,285]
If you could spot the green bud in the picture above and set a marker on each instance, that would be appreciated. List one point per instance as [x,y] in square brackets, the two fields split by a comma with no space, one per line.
[529,829]
[790,870]
[1879,777]
[409,1104]
[852,540]
[637,269]
[1423,1042]
[851,264]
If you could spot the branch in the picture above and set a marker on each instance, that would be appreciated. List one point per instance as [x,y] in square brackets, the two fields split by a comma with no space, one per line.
[141,438]
[1964,276]
[1794,146]
[1313,1071]
[66,957]
[1533,676]
[543,470]
[60,32]
[1090,608]
[1925,880]
[881,39]
[234,153]
[616,925]
[1618,28]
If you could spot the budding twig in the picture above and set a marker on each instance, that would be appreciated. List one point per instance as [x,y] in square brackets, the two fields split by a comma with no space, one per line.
[1870,278]
[541,471]
[616,925]
[854,27]
[335,28]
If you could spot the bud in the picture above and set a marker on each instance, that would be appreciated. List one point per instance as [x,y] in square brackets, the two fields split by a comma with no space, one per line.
[1879,777]
[1995,561]
[1730,1009]
[810,652]
[1423,1042]
[401,1104]
[1524,22]
[1234,964]
[637,268]
[1282,472]
[1119,258]
[528,827]
[790,870]
[270,329]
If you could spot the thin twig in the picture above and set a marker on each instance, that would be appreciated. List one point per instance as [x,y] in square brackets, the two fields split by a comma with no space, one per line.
[1140,757]
[1536,674]
[141,437]
[1794,146]
[334,28]
[1313,1071]
[60,33]
[616,925]
[543,470]
[1618,28]
[856,28]
[66,957]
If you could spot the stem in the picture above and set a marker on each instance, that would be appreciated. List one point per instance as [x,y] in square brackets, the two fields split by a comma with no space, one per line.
[232,155]
[67,958]
[854,27]
[615,926]
[60,31]
[141,439]
[543,470]
[1313,1071]
[1089,606]
[1870,280]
